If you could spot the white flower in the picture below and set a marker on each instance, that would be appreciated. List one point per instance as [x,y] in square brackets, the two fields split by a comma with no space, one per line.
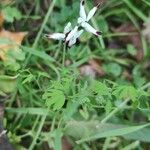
[71,35]
[83,19]
[68,28]
[56,36]
[60,36]
[75,37]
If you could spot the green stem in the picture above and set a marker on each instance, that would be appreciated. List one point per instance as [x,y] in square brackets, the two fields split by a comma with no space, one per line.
[136,11]
[38,132]
[122,105]
[145,86]
[100,37]
[115,110]
[106,143]
[64,54]
[40,31]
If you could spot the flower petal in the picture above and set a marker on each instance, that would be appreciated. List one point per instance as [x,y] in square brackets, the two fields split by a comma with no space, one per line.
[56,36]
[80,20]
[72,42]
[90,29]
[82,10]
[92,12]
[74,39]
[78,34]
[67,28]
[72,33]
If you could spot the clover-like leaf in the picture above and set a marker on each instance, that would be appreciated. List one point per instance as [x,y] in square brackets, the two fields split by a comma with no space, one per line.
[54,98]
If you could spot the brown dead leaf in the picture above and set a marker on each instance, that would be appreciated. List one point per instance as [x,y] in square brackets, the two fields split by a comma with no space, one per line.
[87,70]
[133,39]
[127,75]
[65,144]
[1,20]
[93,69]
[96,66]
[14,38]
[147,65]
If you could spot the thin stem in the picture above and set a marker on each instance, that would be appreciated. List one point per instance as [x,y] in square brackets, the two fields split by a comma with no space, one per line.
[100,37]
[40,31]
[140,14]
[115,110]
[133,145]
[122,105]
[106,143]
[38,132]
[145,86]
[64,54]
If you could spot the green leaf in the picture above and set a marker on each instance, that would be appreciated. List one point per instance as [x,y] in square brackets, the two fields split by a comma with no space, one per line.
[40,54]
[11,13]
[123,92]
[84,112]
[66,82]
[7,84]
[99,88]
[141,135]
[131,49]
[28,78]
[57,85]
[103,25]
[70,110]
[54,98]
[17,54]
[28,110]
[108,106]
[113,68]
[93,130]
[114,132]
[137,11]
[11,64]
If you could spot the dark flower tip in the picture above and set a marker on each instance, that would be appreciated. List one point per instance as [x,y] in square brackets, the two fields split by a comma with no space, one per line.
[99,33]
[46,35]
[83,2]
[98,5]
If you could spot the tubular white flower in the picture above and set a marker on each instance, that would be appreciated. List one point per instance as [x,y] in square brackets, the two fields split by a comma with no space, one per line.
[71,34]
[83,20]
[92,12]
[82,10]
[80,20]
[67,28]
[90,29]
[78,34]
[73,40]
[56,36]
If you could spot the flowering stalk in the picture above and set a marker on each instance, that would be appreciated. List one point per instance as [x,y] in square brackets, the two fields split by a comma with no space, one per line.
[71,35]
[64,54]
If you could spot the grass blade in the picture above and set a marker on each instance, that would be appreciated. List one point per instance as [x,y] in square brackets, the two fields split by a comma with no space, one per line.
[114,132]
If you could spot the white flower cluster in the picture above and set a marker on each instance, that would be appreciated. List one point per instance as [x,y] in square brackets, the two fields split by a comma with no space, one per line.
[70,35]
